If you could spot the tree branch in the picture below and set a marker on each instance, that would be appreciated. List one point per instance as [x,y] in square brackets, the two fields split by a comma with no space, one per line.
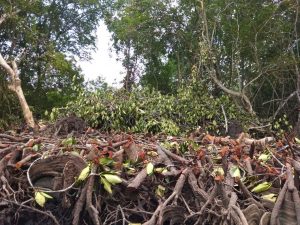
[283,103]
[7,67]
[241,95]
[7,15]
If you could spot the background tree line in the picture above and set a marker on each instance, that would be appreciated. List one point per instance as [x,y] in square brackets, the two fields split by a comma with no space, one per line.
[248,50]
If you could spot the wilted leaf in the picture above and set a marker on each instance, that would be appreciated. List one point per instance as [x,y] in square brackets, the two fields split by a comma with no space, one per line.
[160,191]
[264,157]
[270,197]
[150,168]
[262,187]
[208,139]
[84,173]
[113,179]
[297,141]
[40,199]
[235,171]
[106,185]
[134,224]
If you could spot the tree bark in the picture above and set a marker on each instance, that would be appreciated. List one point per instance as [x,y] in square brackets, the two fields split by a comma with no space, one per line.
[15,86]
[208,37]
[244,97]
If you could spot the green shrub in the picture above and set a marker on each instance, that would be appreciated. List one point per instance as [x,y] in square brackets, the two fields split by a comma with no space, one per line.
[145,110]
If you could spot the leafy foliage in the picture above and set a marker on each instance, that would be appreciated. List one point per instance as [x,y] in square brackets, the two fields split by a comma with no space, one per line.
[252,46]
[46,38]
[9,111]
[145,110]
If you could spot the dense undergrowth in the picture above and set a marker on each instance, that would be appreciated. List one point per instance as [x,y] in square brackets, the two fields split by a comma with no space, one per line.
[145,110]
[10,112]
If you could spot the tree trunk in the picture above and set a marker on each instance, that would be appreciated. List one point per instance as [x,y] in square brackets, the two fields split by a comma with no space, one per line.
[15,86]
[25,108]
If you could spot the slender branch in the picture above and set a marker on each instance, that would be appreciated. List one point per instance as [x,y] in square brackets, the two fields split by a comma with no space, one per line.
[283,103]
[7,15]
[225,118]
[8,68]
[49,214]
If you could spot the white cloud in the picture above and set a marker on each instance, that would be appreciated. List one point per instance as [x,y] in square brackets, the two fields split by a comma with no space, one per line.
[104,62]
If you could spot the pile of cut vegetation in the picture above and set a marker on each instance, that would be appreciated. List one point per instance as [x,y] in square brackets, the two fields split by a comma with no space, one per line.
[83,176]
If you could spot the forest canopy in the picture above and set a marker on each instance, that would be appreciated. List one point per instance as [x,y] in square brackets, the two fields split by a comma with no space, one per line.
[245,50]
[205,128]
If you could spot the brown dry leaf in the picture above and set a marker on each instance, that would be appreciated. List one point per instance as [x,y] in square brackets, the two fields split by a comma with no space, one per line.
[224,151]
[201,153]
[208,139]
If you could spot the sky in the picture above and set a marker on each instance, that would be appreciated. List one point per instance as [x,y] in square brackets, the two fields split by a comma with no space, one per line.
[104,61]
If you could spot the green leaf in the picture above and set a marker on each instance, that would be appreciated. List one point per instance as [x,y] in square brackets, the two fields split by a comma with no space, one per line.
[69,141]
[297,141]
[149,168]
[262,187]
[52,116]
[159,169]
[75,153]
[113,179]
[270,197]
[106,185]
[36,147]
[218,171]
[214,123]
[264,157]
[106,161]
[40,199]
[84,173]
[164,171]
[235,171]
[46,195]
[160,191]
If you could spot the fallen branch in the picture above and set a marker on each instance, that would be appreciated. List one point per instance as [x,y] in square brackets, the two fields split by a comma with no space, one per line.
[93,212]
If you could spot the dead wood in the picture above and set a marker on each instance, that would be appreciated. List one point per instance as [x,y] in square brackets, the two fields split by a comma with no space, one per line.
[199,186]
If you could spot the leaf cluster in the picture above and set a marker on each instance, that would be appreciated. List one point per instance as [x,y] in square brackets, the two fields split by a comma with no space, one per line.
[145,110]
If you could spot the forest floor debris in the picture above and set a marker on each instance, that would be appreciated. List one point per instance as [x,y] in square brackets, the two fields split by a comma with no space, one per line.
[116,178]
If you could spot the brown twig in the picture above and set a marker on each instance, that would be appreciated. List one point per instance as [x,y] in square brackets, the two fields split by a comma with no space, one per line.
[49,214]
[247,193]
[12,138]
[25,160]
[93,212]
[136,182]
[176,192]
[79,205]
[175,157]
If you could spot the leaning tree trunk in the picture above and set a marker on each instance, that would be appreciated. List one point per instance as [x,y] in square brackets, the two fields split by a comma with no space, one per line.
[15,86]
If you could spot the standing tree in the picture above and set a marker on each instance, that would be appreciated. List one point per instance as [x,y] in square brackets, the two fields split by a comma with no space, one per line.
[246,49]
[43,35]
